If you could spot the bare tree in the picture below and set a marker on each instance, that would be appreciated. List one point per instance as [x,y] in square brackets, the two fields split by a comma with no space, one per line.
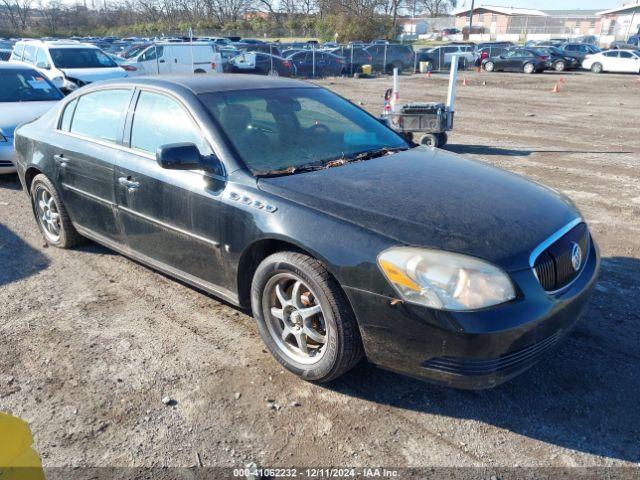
[437,8]
[17,13]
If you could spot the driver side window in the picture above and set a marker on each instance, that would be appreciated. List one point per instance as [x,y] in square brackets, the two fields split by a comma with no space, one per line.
[160,120]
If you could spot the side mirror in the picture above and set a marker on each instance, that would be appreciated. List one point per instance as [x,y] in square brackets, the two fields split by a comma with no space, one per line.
[186,156]
[43,65]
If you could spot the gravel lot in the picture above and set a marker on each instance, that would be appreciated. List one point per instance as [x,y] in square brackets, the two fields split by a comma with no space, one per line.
[92,342]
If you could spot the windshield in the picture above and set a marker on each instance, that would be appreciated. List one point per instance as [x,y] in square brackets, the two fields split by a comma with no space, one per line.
[26,86]
[291,128]
[80,58]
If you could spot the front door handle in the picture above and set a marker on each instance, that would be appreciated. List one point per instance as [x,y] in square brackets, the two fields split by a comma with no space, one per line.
[60,160]
[130,184]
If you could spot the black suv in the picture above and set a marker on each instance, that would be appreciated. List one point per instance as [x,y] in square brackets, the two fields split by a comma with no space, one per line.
[387,57]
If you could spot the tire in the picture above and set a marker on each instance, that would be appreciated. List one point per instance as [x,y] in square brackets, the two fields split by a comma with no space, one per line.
[442,139]
[280,323]
[430,140]
[596,67]
[529,68]
[199,70]
[559,66]
[489,67]
[42,190]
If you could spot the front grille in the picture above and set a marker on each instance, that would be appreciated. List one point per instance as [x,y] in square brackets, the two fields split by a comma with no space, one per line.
[554,266]
[510,362]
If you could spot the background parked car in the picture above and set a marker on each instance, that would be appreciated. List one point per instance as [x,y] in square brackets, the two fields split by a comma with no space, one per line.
[623,61]
[261,64]
[490,49]
[579,50]
[441,57]
[175,58]
[621,45]
[68,64]
[25,94]
[557,60]
[525,60]
[387,57]
[311,63]
[354,58]
[269,48]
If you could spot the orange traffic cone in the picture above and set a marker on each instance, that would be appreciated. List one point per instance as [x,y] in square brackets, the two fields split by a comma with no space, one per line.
[478,69]
[561,80]
[464,81]
[556,88]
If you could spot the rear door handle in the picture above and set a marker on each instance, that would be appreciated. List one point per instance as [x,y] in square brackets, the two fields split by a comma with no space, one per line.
[130,184]
[60,160]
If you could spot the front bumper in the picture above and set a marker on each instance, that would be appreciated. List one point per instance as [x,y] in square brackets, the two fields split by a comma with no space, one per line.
[472,350]
[7,160]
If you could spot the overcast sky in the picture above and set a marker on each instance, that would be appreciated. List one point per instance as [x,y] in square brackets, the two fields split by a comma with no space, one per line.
[550,4]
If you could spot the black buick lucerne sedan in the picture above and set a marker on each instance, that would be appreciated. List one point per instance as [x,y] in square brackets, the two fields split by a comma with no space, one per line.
[343,239]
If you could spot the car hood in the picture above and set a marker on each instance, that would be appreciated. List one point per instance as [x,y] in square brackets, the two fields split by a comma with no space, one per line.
[16,113]
[433,198]
[90,75]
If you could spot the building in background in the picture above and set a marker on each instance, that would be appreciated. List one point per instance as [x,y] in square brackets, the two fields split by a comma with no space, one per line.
[512,21]
[621,22]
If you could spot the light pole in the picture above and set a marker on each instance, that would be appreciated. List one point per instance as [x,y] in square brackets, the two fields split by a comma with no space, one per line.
[470,18]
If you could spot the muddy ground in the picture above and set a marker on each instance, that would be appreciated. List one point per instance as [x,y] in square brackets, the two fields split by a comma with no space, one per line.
[90,342]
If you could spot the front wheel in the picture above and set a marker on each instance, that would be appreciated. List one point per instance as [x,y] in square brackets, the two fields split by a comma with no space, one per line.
[596,68]
[304,318]
[51,214]
[529,68]
[559,66]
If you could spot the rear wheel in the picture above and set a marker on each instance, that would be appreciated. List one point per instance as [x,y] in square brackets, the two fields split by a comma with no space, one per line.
[559,66]
[304,318]
[430,140]
[529,68]
[489,67]
[51,214]
[596,68]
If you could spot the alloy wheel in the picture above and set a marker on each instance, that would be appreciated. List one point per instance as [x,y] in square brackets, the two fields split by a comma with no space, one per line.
[295,319]
[48,214]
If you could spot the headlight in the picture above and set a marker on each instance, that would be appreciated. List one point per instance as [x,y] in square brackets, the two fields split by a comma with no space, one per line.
[444,280]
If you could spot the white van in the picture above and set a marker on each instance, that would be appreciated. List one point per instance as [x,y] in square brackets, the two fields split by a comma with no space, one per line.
[67,63]
[165,57]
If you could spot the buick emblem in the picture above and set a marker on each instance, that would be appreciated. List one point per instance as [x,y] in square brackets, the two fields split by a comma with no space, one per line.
[576,256]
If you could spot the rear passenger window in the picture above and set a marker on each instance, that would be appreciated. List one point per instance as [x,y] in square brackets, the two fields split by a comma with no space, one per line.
[29,54]
[160,120]
[65,122]
[98,114]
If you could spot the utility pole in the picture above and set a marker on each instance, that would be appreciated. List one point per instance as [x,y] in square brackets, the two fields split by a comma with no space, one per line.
[470,17]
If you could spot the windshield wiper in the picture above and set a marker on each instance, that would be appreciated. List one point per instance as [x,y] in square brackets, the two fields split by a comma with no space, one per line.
[336,162]
[293,169]
[366,155]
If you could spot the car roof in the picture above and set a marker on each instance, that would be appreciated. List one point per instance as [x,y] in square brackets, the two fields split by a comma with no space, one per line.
[57,43]
[213,83]
[15,66]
